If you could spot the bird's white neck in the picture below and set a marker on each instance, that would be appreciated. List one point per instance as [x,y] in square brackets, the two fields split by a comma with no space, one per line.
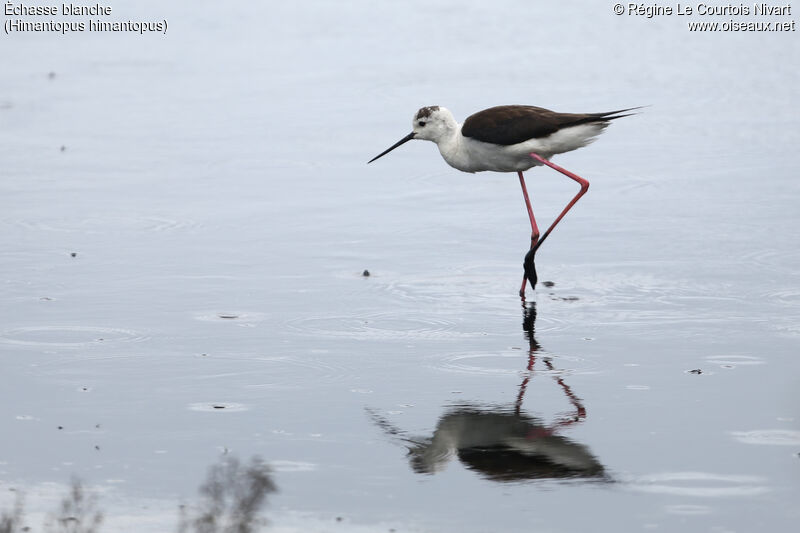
[451,148]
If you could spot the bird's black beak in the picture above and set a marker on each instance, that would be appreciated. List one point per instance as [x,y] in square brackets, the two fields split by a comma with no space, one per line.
[395,145]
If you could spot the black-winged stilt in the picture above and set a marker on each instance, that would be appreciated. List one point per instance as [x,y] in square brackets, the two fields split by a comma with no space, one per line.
[511,138]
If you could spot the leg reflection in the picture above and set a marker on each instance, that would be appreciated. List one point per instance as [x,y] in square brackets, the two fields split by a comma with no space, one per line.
[529,327]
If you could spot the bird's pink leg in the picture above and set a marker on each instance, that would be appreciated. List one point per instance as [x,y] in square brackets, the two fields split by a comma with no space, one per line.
[584,187]
[534,227]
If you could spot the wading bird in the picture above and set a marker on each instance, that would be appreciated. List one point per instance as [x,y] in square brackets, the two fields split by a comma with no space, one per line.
[511,138]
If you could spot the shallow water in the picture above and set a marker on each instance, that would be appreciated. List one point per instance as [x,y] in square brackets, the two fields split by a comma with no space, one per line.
[186,220]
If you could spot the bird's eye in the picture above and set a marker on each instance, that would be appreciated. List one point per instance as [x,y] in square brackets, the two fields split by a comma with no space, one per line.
[421,122]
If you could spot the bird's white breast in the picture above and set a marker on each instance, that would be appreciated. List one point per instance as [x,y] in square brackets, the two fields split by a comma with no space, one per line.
[469,155]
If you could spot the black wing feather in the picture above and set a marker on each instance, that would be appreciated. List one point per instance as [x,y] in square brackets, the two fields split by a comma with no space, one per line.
[512,124]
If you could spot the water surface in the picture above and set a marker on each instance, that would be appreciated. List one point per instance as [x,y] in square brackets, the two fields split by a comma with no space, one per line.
[186,220]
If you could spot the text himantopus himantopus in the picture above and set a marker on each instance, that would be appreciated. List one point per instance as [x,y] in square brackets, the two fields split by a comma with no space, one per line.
[511,138]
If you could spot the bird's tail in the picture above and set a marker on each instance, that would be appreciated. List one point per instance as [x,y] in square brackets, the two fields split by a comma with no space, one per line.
[611,115]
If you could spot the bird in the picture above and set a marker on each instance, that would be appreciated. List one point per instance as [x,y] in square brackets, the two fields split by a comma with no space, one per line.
[511,138]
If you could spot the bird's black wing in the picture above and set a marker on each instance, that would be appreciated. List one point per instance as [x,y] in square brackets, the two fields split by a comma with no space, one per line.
[511,124]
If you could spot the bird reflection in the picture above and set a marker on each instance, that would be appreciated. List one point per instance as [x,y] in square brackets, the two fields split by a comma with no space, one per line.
[505,444]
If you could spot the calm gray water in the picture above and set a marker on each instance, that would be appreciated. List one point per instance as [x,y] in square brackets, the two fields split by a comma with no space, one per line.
[185,219]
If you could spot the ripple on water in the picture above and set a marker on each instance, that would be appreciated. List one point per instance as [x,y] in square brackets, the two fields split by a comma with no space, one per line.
[688,510]
[788,296]
[700,484]
[68,336]
[512,362]
[240,317]
[623,286]
[732,361]
[769,437]
[548,323]
[636,298]
[775,259]
[380,326]
[104,224]
[290,372]
[292,466]
[787,326]
[486,284]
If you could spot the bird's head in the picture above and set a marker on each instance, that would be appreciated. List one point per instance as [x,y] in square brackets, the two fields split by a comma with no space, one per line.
[432,123]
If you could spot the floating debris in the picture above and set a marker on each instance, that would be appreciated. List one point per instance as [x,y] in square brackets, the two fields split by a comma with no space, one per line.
[228,316]
[74,254]
[366,273]
[696,371]
[210,407]
[564,298]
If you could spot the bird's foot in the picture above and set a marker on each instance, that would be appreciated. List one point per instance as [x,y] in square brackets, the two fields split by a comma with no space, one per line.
[530,268]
